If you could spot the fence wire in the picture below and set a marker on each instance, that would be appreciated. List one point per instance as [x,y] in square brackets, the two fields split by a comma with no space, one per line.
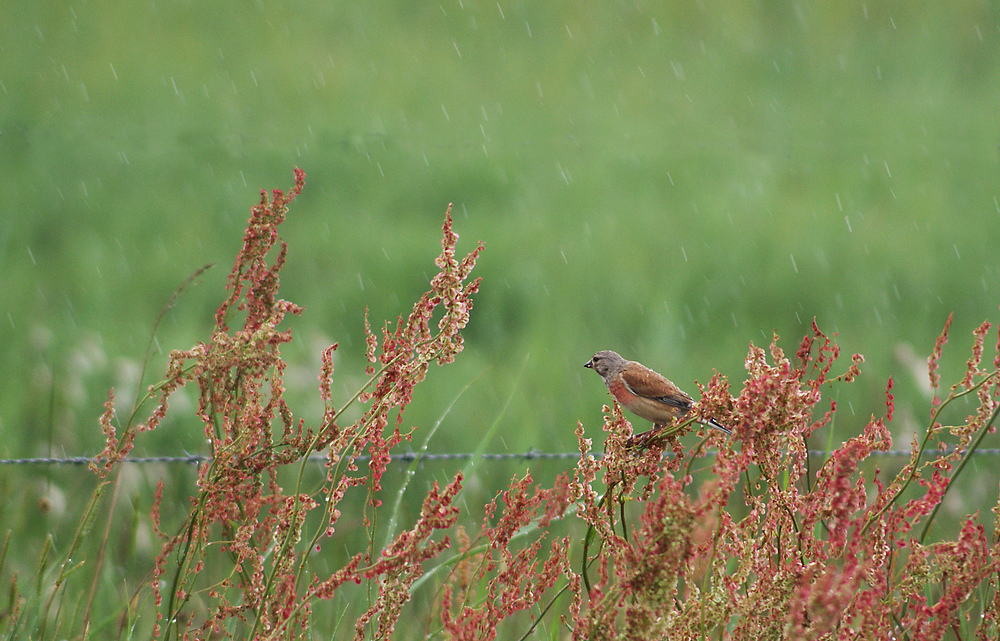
[409,457]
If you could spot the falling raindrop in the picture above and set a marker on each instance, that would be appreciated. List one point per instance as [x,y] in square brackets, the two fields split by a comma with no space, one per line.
[794,266]
[848,221]
[113,72]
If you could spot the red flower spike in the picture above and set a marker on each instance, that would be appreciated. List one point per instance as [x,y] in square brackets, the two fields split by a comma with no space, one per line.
[932,360]
[748,540]
[252,432]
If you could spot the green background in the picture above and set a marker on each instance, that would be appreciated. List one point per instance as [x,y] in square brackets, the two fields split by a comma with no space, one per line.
[670,180]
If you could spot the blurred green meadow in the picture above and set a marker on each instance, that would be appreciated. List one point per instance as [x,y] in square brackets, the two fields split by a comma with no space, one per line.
[670,180]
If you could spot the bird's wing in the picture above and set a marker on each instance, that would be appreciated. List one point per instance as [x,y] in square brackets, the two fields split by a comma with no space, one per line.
[645,382]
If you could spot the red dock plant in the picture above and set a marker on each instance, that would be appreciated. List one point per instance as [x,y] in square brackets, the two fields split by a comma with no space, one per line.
[813,554]
[242,517]
[635,544]
[826,554]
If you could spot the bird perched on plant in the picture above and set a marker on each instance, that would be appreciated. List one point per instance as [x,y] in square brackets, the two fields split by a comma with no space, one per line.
[643,391]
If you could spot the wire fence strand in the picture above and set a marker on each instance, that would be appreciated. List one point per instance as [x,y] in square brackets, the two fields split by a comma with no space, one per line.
[409,457]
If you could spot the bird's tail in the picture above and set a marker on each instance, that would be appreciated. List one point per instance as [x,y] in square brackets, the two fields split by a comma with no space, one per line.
[719,426]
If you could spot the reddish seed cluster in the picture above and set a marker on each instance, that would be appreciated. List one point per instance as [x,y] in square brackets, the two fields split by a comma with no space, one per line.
[770,549]
[252,434]
[770,546]
[507,580]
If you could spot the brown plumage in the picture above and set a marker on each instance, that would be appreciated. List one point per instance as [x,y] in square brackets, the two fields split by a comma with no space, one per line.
[644,392]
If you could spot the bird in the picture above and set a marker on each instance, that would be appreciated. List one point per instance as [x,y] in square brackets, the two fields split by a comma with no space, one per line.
[644,392]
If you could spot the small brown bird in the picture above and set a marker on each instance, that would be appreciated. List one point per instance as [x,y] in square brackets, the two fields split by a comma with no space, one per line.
[643,391]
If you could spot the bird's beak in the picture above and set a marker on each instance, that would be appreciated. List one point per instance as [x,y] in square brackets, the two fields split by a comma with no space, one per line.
[589,364]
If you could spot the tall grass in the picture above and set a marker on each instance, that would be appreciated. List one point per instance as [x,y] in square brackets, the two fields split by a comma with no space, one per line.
[635,544]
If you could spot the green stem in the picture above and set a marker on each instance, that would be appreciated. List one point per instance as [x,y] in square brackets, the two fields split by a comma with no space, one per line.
[915,457]
[958,470]
[541,614]
[330,506]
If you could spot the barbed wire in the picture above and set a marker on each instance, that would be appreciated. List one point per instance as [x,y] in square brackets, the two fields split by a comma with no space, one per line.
[409,457]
